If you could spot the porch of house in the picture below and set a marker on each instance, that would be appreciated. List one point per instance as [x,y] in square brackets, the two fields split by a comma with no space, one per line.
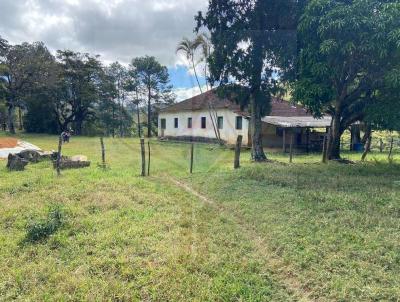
[305,133]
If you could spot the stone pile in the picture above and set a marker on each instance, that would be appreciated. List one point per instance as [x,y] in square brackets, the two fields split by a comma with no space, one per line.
[74,162]
[17,162]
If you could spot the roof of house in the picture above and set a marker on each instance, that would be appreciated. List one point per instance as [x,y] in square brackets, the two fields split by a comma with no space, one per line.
[201,102]
[298,121]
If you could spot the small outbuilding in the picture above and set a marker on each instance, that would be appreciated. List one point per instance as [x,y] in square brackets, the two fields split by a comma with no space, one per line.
[190,120]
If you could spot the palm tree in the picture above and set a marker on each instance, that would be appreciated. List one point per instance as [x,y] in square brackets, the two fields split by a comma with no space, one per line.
[189,48]
[203,41]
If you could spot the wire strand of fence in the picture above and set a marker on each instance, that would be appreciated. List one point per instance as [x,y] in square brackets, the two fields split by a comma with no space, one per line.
[175,156]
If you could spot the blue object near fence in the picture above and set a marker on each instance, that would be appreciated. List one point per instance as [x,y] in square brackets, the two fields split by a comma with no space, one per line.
[358,147]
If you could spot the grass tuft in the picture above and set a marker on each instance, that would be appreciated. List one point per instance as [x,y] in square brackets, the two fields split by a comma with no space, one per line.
[40,229]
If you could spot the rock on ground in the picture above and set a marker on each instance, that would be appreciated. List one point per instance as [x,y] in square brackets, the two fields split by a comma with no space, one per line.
[16,163]
[32,156]
[74,162]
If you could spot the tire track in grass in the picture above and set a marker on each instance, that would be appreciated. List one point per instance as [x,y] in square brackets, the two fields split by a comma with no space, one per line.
[275,265]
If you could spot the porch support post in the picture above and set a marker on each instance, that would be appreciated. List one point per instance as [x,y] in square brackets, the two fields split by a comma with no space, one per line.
[308,140]
[284,141]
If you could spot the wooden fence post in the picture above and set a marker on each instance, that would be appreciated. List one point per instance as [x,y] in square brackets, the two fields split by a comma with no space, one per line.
[103,153]
[58,162]
[191,158]
[143,153]
[291,148]
[324,150]
[390,149]
[148,165]
[380,145]
[238,147]
[367,147]
[284,141]
[328,144]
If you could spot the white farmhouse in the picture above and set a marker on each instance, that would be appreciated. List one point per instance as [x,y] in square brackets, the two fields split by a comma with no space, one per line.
[190,120]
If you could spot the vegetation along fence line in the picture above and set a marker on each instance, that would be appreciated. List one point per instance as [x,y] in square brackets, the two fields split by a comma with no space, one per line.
[155,152]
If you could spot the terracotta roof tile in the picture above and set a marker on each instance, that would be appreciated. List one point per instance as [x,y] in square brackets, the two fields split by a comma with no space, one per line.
[200,102]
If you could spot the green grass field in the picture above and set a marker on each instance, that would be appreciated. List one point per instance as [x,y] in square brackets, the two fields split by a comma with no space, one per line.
[266,232]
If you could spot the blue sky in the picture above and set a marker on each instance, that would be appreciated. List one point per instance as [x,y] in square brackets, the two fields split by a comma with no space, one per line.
[181,78]
[184,82]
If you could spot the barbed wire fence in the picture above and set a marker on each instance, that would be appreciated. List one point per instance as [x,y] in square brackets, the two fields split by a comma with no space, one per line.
[155,156]
[378,144]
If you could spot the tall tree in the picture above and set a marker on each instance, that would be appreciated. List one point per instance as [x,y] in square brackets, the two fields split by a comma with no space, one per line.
[154,78]
[188,48]
[247,39]
[3,50]
[24,67]
[204,42]
[348,52]
[135,95]
[119,76]
[81,83]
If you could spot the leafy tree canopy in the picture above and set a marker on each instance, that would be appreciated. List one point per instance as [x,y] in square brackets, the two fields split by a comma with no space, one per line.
[349,52]
[153,79]
[82,84]
[252,43]
[24,69]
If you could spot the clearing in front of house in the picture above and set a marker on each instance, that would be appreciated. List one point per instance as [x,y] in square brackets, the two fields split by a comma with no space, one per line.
[266,232]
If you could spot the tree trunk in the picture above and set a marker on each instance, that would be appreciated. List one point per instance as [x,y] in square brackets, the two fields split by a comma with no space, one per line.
[195,74]
[113,118]
[10,117]
[334,139]
[367,138]
[78,127]
[257,151]
[20,125]
[121,117]
[355,136]
[367,133]
[367,144]
[138,121]
[63,126]
[149,118]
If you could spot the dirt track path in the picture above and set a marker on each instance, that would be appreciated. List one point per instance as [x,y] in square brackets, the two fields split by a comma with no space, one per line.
[274,264]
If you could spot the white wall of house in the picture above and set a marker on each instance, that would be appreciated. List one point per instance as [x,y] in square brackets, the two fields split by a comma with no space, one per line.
[228,132]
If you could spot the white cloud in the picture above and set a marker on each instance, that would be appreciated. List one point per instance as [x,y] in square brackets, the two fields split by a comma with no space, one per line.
[115,29]
[186,93]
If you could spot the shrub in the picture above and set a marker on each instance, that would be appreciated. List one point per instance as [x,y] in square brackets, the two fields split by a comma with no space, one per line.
[43,228]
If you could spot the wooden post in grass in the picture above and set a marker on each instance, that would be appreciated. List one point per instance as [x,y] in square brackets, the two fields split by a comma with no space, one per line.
[191,158]
[291,148]
[284,141]
[143,153]
[324,149]
[390,149]
[238,146]
[58,162]
[328,144]
[103,153]
[380,145]
[148,165]
[367,147]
